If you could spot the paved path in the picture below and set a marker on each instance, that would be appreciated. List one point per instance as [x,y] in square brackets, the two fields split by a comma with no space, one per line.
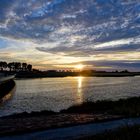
[75,131]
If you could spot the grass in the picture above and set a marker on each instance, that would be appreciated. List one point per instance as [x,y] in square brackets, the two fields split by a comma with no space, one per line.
[124,107]
[127,107]
[123,133]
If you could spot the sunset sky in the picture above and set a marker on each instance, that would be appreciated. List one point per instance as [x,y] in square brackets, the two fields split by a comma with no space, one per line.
[59,34]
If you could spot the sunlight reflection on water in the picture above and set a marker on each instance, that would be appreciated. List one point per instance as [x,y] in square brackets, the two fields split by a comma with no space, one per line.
[60,93]
[79,90]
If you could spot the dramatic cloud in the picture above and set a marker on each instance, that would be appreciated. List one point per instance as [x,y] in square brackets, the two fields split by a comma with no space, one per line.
[70,30]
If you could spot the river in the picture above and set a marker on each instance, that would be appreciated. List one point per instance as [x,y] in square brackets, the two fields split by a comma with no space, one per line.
[60,93]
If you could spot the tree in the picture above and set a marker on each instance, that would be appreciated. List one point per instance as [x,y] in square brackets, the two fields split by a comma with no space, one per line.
[24,66]
[29,67]
[3,65]
[17,66]
[13,66]
[9,66]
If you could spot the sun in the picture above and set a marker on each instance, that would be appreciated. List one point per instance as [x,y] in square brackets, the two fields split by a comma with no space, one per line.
[79,66]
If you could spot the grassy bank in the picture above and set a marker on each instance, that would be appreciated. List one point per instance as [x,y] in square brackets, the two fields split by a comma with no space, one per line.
[123,133]
[127,107]
[89,112]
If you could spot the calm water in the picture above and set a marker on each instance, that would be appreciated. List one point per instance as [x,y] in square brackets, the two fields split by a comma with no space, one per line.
[60,93]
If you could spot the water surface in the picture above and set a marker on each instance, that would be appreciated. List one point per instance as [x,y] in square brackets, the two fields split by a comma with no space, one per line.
[60,93]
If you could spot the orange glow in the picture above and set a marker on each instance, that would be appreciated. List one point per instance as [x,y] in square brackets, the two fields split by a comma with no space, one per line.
[79,67]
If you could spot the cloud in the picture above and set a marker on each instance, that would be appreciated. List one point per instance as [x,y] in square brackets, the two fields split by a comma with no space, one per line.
[40,18]
[112,65]
[71,28]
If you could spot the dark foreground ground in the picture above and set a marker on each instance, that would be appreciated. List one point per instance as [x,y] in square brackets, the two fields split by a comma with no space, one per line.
[25,124]
[86,113]
[122,133]
[6,88]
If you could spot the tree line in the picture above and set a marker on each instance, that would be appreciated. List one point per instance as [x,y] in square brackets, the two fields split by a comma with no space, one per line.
[15,66]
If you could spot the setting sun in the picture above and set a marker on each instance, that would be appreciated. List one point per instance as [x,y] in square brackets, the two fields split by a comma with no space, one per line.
[79,67]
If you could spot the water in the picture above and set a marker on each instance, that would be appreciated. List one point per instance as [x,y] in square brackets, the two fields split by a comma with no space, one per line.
[60,93]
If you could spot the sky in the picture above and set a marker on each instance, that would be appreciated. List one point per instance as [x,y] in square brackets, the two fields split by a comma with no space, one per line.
[59,34]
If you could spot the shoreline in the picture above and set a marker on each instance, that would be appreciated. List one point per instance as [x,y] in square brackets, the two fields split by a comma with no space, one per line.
[61,74]
[86,113]
[6,88]
[77,75]
[28,78]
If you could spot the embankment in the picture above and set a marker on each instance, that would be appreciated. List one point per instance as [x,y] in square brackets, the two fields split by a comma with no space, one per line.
[6,87]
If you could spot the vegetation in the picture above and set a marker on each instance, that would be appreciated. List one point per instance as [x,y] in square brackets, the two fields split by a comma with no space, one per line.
[123,133]
[15,66]
[126,107]
[24,70]
[123,108]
